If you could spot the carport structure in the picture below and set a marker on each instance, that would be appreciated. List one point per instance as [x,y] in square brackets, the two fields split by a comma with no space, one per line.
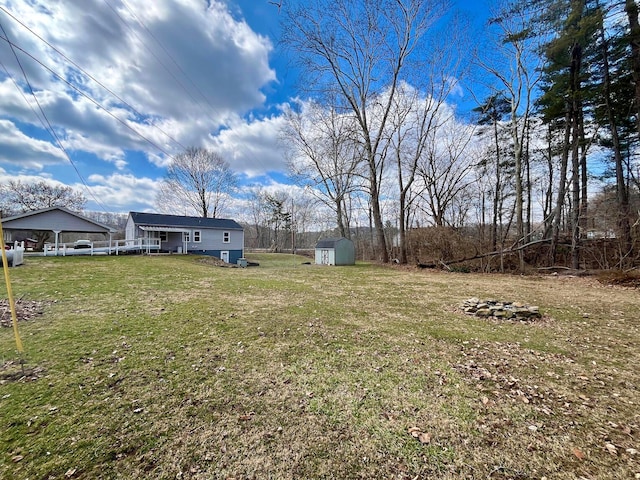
[53,219]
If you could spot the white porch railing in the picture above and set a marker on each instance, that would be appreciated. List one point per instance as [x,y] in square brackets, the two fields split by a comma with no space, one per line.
[113,247]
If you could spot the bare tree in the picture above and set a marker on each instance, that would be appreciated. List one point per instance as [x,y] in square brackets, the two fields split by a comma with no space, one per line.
[357,52]
[517,49]
[19,197]
[324,156]
[414,118]
[255,216]
[197,180]
[445,170]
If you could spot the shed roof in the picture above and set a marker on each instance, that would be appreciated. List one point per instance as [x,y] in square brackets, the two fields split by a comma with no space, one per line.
[55,219]
[158,219]
[330,242]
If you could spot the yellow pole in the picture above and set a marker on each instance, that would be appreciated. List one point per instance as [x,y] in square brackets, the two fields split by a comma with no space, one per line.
[12,304]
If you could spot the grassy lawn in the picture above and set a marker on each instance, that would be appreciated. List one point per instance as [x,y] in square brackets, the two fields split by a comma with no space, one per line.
[168,367]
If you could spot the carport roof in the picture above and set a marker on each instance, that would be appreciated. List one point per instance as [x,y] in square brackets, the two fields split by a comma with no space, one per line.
[55,219]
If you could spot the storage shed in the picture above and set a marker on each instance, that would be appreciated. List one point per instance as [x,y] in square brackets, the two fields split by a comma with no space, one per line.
[335,251]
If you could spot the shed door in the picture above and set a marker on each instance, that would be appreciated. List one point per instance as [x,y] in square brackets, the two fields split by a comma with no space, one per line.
[224,256]
[324,257]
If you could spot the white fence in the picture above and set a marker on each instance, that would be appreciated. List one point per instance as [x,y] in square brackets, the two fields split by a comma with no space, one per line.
[114,247]
[15,256]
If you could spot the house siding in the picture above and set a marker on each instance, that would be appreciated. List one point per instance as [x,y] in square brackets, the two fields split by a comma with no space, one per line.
[211,237]
[130,230]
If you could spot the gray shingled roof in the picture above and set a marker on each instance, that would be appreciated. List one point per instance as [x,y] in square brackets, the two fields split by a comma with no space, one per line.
[141,218]
[329,242]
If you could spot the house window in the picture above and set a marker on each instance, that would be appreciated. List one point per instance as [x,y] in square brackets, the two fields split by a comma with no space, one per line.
[196,236]
[163,236]
[226,237]
[186,237]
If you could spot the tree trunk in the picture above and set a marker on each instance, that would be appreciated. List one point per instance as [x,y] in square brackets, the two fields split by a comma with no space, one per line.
[402,232]
[376,212]
[584,186]
[527,223]
[576,65]
[622,193]
[548,201]
[562,185]
[634,38]
[340,217]
[517,145]
[498,186]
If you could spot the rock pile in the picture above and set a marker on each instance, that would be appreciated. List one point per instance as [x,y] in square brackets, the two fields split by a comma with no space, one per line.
[498,309]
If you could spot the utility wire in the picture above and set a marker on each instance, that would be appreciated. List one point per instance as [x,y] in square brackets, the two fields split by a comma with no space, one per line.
[153,54]
[95,102]
[26,100]
[50,129]
[134,110]
[213,108]
[169,55]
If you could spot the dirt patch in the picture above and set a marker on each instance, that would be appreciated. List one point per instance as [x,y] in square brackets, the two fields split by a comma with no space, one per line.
[215,262]
[25,310]
[18,372]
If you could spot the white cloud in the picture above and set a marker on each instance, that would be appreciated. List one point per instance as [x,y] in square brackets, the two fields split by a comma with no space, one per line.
[181,70]
[121,192]
[252,147]
[5,177]
[25,152]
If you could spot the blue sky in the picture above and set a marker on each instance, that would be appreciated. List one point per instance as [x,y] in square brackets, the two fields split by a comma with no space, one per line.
[125,84]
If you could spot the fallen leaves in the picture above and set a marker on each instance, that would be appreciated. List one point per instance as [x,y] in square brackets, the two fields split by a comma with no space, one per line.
[25,310]
[17,372]
[246,417]
[422,437]
[578,453]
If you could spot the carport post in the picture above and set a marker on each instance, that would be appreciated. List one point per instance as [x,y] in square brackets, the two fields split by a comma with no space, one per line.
[57,232]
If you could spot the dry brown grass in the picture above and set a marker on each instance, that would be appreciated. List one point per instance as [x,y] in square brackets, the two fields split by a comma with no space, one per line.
[289,371]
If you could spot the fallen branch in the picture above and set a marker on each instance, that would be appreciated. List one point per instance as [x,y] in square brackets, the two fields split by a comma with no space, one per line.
[482,255]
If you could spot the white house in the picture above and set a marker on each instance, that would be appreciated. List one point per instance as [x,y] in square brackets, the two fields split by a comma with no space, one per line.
[219,237]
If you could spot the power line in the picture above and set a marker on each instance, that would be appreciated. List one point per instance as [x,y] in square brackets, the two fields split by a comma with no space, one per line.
[169,55]
[50,128]
[95,102]
[126,22]
[212,107]
[152,53]
[133,109]
[6,70]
